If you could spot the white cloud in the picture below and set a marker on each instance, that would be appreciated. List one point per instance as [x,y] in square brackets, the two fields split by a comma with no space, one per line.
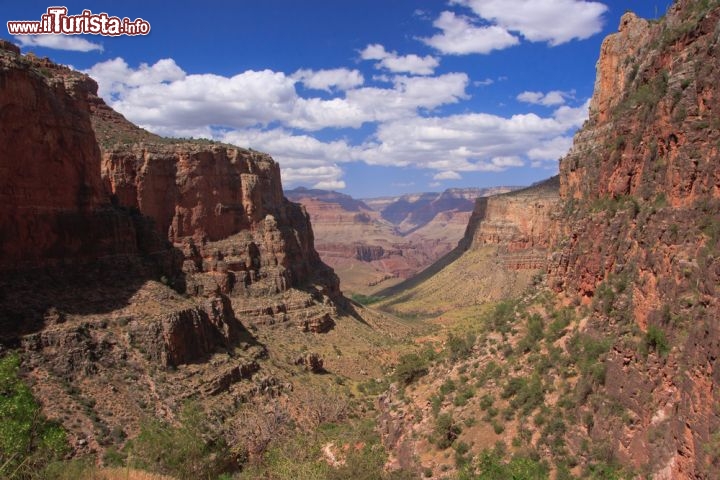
[551,150]
[573,116]
[483,83]
[115,77]
[326,175]
[552,21]
[263,110]
[58,42]
[553,98]
[473,141]
[330,185]
[460,36]
[328,80]
[161,97]
[393,62]
[372,104]
[447,175]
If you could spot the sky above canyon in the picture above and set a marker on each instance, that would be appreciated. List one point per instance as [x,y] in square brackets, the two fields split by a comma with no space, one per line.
[367,97]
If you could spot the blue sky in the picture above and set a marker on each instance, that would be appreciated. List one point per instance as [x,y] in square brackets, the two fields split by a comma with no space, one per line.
[368,97]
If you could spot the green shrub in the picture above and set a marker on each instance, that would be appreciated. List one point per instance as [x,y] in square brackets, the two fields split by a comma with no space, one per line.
[492,466]
[459,347]
[656,340]
[446,431]
[410,368]
[448,386]
[188,451]
[502,316]
[486,401]
[28,441]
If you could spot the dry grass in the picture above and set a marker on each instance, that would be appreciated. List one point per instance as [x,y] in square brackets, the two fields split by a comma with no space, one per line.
[122,474]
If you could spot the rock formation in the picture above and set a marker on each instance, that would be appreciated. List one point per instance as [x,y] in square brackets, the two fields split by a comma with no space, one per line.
[132,264]
[641,187]
[619,370]
[518,223]
[47,134]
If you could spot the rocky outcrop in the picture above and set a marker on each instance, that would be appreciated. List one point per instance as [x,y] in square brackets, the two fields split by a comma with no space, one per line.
[640,237]
[201,195]
[311,362]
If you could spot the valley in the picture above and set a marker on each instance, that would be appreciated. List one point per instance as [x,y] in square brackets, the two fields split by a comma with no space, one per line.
[374,244]
[168,311]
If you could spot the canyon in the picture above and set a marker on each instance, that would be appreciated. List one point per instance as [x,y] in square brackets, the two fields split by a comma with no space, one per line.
[157,271]
[375,243]
[569,329]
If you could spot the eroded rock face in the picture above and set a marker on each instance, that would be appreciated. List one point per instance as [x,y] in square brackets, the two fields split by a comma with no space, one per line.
[52,203]
[518,223]
[128,290]
[223,207]
[641,190]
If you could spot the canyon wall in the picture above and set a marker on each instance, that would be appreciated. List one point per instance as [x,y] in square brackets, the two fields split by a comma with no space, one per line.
[132,264]
[53,206]
[517,223]
[639,239]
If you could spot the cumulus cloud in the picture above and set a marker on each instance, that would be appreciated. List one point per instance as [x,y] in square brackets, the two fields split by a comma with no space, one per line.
[115,77]
[162,97]
[552,21]
[328,80]
[326,177]
[473,141]
[550,150]
[393,62]
[373,104]
[263,110]
[553,98]
[58,42]
[460,36]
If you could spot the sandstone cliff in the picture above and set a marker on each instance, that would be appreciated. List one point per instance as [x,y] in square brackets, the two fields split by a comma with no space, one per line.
[518,223]
[610,370]
[46,134]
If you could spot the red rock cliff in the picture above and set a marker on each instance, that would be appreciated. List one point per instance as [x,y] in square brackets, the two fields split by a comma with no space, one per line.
[517,222]
[221,205]
[640,238]
[53,207]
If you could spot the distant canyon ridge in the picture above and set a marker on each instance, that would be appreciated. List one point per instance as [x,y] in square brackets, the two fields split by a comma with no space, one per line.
[375,243]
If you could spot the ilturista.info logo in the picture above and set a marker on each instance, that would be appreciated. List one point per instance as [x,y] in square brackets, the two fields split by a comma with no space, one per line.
[57,21]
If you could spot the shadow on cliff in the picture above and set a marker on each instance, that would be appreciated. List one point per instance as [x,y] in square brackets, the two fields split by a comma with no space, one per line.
[106,271]
[433,269]
[349,307]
